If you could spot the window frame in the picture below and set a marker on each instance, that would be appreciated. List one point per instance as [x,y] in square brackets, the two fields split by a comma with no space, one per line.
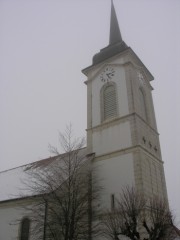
[102,93]
[143,105]
[22,227]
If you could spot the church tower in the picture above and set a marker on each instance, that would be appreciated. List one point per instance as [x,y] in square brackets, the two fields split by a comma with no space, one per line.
[121,125]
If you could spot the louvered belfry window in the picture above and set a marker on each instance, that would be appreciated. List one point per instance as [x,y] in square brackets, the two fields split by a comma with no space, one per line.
[109,100]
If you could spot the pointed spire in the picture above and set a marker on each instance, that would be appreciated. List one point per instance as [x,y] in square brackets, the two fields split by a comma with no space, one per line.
[115,34]
[116,44]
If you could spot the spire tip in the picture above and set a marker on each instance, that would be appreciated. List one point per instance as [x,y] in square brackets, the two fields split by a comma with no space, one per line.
[115,34]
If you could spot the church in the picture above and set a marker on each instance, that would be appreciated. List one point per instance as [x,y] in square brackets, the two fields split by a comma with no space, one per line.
[122,135]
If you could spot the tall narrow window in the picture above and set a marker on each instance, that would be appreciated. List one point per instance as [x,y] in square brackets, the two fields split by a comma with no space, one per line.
[109,101]
[25,225]
[112,202]
[143,104]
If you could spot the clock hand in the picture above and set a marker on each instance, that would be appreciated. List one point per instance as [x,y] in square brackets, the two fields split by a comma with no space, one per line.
[109,75]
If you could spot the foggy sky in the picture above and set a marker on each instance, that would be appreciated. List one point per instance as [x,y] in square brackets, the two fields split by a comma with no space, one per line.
[45,44]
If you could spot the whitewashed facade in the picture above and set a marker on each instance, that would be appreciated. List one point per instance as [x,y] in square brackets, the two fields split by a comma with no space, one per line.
[126,145]
[121,131]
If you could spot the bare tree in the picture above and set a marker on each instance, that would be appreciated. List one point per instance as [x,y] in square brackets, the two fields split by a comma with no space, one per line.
[112,225]
[138,218]
[66,188]
[124,218]
[157,220]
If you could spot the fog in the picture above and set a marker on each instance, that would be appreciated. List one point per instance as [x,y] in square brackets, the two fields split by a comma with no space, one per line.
[45,44]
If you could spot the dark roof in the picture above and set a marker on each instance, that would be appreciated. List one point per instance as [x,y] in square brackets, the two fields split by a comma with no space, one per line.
[109,51]
[115,34]
[116,44]
[176,230]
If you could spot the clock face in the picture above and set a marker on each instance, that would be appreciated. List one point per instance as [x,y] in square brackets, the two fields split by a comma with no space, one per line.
[107,74]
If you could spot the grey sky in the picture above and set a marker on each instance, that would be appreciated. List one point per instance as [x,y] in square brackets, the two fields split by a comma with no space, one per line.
[44,45]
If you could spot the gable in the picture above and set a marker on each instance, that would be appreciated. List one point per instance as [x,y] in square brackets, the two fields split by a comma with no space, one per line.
[13,182]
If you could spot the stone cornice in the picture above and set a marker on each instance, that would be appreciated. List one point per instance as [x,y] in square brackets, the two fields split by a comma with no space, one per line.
[117,120]
[124,151]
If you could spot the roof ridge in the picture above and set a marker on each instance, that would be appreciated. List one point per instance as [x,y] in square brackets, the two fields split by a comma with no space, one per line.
[37,161]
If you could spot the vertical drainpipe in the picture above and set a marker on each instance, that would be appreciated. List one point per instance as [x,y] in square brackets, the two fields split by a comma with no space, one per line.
[45,218]
[90,196]
[90,207]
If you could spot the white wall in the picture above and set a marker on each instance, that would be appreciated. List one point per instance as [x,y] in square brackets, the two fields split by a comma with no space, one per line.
[97,84]
[10,217]
[9,226]
[112,138]
[114,174]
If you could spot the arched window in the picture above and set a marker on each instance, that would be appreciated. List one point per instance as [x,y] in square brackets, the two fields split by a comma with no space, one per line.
[25,225]
[142,104]
[109,101]
[112,202]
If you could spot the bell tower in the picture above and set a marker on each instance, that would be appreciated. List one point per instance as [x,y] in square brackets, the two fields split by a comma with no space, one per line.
[121,125]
